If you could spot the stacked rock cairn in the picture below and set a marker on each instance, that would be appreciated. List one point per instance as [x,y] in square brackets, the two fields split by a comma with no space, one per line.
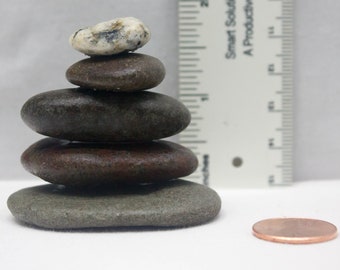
[104,159]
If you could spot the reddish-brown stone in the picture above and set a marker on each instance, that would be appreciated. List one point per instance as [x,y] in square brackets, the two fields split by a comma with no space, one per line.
[93,164]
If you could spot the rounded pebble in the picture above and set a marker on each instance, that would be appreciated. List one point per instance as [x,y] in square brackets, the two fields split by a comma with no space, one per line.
[86,115]
[111,37]
[173,203]
[94,164]
[123,73]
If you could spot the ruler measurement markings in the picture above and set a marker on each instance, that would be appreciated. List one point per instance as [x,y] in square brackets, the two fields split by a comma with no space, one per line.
[285,71]
[190,133]
[287,119]
[181,82]
[190,23]
[189,59]
[287,100]
[194,95]
[188,65]
[188,18]
[288,58]
[197,118]
[188,77]
[286,174]
[188,41]
[191,71]
[187,53]
[282,129]
[193,107]
[184,84]
[193,142]
[279,74]
[189,136]
[192,47]
[188,11]
[193,147]
[192,130]
[190,36]
[189,101]
[187,30]
[284,18]
[187,6]
[287,42]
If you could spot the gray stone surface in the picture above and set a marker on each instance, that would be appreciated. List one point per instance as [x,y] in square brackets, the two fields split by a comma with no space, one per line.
[122,73]
[94,164]
[169,204]
[87,115]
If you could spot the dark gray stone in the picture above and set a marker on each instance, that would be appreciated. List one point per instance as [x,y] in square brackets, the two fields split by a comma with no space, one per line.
[94,164]
[167,204]
[123,72]
[86,115]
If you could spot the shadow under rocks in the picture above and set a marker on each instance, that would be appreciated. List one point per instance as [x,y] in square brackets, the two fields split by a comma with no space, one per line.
[111,190]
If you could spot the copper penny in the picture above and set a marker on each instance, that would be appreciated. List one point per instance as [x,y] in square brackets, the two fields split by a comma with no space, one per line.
[294,230]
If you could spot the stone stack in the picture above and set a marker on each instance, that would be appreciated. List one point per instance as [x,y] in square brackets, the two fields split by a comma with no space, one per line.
[104,159]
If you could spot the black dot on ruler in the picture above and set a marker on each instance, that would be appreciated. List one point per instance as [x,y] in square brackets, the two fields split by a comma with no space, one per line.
[237,162]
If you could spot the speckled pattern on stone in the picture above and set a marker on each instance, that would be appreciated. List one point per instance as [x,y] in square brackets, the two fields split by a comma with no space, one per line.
[167,204]
[87,115]
[95,164]
[111,37]
[124,72]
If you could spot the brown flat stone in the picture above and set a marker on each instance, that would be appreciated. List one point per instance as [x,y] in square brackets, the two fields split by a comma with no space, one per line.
[124,72]
[92,164]
[86,115]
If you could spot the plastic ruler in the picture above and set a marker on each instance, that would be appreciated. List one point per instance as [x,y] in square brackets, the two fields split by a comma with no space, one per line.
[236,78]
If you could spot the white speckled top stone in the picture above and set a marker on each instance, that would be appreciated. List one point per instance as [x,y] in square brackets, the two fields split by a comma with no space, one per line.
[111,37]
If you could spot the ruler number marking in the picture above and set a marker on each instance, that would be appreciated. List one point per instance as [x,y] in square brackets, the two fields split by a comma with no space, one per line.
[205,3]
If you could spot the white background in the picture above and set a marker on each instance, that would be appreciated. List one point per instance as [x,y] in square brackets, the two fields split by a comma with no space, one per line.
[35,54]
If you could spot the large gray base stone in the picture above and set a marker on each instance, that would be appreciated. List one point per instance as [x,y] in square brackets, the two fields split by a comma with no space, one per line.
[174,203]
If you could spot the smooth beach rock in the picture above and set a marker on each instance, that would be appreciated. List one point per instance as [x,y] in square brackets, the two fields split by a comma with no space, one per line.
[86,115]
[94,164]
[111,37]
[167,204]
[124,72]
